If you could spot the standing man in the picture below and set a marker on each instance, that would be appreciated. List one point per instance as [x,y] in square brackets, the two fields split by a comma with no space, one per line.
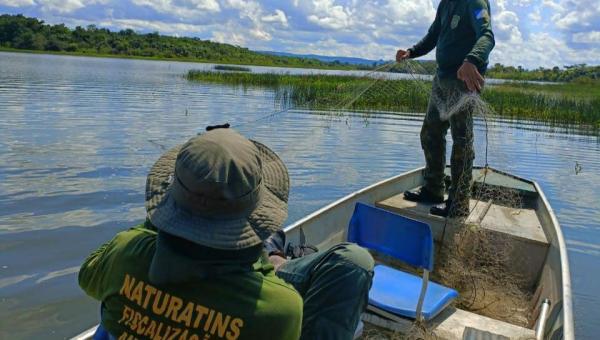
[462,33]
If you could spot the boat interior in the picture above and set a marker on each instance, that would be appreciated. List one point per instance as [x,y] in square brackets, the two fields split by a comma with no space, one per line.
[502,258]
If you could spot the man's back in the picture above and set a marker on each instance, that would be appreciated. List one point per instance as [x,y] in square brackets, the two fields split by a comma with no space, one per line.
[234,304]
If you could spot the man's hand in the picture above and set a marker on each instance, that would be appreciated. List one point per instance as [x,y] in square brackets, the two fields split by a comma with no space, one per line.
[402,55]
[470,75]
[277,261]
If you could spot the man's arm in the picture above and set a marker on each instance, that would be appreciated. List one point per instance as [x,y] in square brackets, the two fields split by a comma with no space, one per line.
[482,25]
[93,270]
[429,42]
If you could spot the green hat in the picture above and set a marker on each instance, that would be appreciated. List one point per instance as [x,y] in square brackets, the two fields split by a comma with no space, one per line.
[218,190]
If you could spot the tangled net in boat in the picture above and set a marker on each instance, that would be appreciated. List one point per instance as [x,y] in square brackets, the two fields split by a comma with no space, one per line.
[418,331]
[472,259]
[474,263]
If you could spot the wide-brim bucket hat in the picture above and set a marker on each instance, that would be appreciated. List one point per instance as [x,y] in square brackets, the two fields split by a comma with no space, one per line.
[218,190]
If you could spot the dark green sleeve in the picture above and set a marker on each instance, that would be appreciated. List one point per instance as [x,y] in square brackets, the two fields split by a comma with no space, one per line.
[93,272]
[98,272]
[482,25]
[430,40]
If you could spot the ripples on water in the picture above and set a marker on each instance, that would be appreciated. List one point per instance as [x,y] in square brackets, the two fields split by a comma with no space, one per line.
[78,136]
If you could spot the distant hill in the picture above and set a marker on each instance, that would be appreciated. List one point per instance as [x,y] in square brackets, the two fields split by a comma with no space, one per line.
[328,59]
[425,66]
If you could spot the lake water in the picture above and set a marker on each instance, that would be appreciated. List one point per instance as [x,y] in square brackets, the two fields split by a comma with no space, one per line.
[78,135]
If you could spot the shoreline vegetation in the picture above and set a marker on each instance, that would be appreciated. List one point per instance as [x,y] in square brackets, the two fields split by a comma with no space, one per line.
[19,33]
[569,103]
[23,34]
[92,54]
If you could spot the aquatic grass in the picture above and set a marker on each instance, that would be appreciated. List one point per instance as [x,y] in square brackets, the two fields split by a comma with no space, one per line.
[568,103]
[316,91]
[232,68]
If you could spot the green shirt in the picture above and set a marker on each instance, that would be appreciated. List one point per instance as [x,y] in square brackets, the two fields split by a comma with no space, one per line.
[251,304]
[462,29]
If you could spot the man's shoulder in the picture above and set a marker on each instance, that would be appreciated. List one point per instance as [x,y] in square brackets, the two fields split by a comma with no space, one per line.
[137,242]
[274,286]
[277,286]
[137,234]
[280,309]
[280,295]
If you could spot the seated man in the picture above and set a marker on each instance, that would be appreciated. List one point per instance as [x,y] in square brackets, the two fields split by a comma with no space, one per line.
[197,269]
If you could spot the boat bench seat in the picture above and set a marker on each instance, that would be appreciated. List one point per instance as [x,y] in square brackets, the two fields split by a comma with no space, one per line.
[410,241]
[397,292]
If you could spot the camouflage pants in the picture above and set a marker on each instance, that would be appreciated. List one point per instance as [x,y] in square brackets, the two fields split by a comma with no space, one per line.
[334,285]
[445,95]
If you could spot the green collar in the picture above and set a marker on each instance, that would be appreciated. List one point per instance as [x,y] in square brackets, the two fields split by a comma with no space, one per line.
[170,266]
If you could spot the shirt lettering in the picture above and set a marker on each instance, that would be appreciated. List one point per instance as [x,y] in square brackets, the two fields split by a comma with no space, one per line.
[195,321]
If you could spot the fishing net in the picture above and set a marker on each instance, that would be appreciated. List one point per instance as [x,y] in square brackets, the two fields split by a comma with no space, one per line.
[469,258]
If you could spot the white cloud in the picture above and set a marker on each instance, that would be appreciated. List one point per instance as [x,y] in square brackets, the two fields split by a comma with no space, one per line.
[260,34]
[60,6]
[229,38]
[522,3]
[575,15]
[181,8]
[587,37]
[253,12]
[535,16]
[542,49]
[408,12]
[531,33]
[17,3]
[66,6]
[506,27]
[330,16]
[277,17]
[159,26]
[552,5]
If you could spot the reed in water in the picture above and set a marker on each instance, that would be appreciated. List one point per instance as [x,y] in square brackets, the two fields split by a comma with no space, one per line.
[566,103]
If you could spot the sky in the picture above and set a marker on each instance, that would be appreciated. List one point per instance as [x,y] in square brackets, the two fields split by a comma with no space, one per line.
[530,33]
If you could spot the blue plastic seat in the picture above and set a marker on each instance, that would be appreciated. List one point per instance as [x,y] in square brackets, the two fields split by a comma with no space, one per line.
[411,242]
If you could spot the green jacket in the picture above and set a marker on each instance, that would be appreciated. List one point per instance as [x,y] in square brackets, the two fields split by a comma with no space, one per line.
[242,304]
[462,30]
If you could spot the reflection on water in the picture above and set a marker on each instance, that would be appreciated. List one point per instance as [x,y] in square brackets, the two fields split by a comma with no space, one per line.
[79,134]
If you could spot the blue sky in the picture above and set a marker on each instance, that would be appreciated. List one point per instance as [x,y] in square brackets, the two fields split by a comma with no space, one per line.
[530,33]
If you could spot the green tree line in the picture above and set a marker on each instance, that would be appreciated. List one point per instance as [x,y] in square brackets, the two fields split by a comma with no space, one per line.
[20,32]
[580,73]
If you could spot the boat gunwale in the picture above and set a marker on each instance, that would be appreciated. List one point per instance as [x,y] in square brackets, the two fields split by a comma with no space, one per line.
[346,198]
[567,298]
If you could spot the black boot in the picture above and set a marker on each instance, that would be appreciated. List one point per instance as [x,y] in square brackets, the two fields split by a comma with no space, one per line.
[447,209]
[422,195]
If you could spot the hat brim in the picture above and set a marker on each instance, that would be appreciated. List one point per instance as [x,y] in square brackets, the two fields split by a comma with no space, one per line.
[268,216]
